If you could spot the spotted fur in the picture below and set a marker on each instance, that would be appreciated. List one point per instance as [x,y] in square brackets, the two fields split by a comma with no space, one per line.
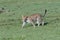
[34,18]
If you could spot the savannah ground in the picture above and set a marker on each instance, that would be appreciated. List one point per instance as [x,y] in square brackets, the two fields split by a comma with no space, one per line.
[10,20]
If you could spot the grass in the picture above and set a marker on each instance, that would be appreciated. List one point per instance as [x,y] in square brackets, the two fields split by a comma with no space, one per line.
[10,20]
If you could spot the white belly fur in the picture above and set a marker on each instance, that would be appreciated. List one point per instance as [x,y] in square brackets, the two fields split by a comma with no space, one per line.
[28,21]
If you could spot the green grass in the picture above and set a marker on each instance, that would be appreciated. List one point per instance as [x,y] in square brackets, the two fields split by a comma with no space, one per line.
[10,20]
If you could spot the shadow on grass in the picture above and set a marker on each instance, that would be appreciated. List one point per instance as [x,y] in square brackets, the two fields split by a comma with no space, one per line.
[41,24]
[30,25]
